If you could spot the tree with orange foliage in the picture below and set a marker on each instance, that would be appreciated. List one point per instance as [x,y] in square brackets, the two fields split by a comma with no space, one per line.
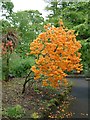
[56,52]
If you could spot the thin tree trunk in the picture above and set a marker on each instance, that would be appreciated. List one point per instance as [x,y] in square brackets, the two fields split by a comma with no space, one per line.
[7,68]
[26,81]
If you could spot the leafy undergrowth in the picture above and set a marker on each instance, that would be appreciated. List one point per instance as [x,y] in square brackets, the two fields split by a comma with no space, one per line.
[36,102]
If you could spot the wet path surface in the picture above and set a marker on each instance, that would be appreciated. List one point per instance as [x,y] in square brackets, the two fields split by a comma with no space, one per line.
[79,106]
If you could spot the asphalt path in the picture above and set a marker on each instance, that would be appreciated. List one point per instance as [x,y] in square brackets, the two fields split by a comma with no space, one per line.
[79,107]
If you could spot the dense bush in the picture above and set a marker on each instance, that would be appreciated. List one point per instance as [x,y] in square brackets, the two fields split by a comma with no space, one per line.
[19,67]
[56,51]
[85,50]
[14,112]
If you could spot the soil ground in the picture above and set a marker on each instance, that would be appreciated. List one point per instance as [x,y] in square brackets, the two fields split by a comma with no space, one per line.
[36,100]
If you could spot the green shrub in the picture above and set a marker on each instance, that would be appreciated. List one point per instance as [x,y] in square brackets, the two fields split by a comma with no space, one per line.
[19,67]
[14,112]
[85,50]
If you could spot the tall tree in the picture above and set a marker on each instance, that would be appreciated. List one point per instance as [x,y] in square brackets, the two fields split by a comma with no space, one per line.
[55,8]
[9,42]
[29,23]
[75,16]
[7,9]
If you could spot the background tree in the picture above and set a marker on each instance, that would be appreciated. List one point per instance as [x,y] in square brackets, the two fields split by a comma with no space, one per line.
[9,41]
[55,8]
[29,24]
[7,9]
[75,16]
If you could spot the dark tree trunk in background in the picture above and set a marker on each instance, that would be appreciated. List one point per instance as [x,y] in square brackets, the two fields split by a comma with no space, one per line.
[7,68]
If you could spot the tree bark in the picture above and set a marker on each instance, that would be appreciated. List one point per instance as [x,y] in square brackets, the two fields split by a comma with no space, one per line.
[7,68]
